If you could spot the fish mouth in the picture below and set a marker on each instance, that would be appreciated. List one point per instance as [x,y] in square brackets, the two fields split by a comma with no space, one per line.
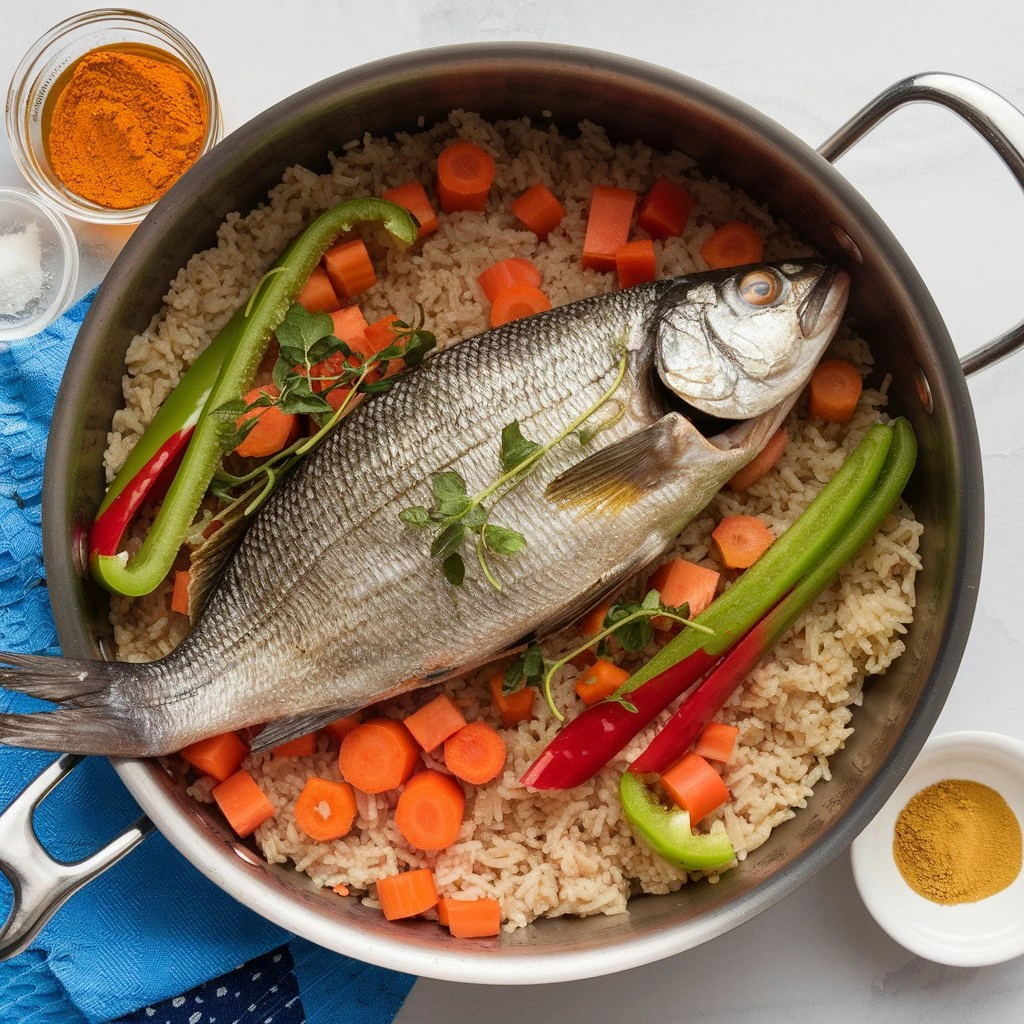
[825,302]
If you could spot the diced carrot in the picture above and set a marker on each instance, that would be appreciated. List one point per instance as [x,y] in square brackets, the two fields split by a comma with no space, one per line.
[665,210]
[470,919]
[274,429]
[349,268]
[635,263]
[219,756]
[762,462]
[539,209]
[413,196]
[325,809]
[516,302]
[179,595]
[611,211]
[741,541]
[593,622]
[243,803]
[680,582]
[378,755]
[695,786]
[601,680]
[464,176]
[513,707]
[341,889]
[406,894]
[433,723]
[505,274]
[301,746]
[584,659]
[380,334]
[430,809]
[834,391]
[475,754]
[734,244]
[717,742]
[342,727]
[317,294]
[350,326]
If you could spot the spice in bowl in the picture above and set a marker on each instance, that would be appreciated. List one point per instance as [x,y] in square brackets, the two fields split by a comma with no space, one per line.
[957,841]
[124,125]
[21,269]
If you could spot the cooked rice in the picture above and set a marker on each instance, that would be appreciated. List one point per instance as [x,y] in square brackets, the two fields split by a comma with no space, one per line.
[544,853]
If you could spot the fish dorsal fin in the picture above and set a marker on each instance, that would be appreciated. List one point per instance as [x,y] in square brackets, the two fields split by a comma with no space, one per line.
[207,561]
[622,473]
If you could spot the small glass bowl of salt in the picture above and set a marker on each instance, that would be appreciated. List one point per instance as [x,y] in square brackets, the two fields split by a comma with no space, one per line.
[38,264]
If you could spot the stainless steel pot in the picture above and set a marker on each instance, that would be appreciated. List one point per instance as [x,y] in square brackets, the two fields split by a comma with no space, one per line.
[892,306]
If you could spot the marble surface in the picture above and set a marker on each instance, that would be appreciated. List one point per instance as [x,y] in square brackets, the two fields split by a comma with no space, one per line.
[817,955]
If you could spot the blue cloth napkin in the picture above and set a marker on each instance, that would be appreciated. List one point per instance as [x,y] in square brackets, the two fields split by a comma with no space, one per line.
[152,926]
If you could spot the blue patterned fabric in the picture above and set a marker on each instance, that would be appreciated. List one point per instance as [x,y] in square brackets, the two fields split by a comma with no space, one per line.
[150,928]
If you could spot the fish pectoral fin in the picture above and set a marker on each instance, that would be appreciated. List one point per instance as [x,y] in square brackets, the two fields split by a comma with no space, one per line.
[273,734]
[623,472]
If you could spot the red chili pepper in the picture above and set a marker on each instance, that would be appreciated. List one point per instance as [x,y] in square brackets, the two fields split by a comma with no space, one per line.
[110,526]
[594,737]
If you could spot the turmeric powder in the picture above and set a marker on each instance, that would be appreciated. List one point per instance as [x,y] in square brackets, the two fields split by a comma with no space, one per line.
[125,127]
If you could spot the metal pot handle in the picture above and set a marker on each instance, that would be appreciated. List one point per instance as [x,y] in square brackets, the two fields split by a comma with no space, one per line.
[995,119]
[40,883]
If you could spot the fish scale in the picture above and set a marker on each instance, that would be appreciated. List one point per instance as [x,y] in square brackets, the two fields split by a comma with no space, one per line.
[331,602]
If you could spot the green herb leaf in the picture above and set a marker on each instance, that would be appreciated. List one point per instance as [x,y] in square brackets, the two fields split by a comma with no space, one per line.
[300,331]
[454,569]
[450,498]
[448,541]
[651,600]
[525,669]
[375,387]
[502,541]
[475,518]
[415,515]
[299,404]
[515,449]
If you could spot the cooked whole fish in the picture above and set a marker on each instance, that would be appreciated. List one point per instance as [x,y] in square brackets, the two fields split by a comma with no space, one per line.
[331,602]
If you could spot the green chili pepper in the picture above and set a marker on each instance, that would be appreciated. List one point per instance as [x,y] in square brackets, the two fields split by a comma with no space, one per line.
[243,342]
[668,833]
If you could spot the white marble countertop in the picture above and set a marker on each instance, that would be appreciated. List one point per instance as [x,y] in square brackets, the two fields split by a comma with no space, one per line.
[817,955]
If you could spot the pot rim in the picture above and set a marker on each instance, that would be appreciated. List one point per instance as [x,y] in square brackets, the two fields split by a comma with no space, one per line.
[288,906]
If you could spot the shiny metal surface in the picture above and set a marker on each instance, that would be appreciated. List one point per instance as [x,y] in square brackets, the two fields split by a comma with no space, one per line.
[893,309]
[996,120]
[40,883]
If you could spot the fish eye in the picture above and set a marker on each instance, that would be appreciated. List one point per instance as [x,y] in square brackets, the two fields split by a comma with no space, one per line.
[759,287]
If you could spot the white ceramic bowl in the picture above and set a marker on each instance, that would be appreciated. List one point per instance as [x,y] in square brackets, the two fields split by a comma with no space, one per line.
[965,934]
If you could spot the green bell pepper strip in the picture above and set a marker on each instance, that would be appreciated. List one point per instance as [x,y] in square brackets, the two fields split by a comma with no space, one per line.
[596,735]
[667,831]
[683,728]
[248,334]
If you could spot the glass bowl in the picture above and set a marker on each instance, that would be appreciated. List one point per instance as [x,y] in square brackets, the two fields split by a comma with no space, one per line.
[42,69]
[58,260]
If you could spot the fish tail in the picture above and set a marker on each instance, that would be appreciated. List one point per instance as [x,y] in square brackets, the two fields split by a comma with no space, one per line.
[100,722]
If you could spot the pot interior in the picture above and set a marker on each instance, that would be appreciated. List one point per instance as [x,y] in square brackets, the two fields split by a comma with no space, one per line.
[892,309]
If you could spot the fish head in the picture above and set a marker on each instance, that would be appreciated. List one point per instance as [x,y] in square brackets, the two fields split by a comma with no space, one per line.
[736,343]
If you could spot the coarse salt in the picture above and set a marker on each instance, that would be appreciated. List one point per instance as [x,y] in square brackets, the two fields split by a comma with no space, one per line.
[21,270]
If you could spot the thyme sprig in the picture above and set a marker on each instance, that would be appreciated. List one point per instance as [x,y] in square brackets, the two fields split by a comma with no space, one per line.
[457,515]
[312,364]
[630,622]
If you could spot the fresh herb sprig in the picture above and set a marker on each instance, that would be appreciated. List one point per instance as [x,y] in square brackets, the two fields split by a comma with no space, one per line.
[312,363]
[457,515]
[630,622]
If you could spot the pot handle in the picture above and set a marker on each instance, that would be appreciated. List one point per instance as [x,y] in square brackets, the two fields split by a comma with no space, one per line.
[995,119]
[40,883]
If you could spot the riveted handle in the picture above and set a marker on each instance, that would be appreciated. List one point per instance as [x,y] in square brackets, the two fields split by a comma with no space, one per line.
[994,118]
[40,883]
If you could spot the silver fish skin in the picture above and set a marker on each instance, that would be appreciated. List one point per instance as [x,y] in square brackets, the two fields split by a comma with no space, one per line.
[332,603]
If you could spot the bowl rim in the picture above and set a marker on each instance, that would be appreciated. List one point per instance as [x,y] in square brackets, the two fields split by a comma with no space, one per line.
[19,97]
[65,290]
[872,887]
[515,966]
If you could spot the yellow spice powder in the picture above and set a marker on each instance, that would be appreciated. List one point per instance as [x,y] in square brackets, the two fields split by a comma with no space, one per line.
[957,841]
